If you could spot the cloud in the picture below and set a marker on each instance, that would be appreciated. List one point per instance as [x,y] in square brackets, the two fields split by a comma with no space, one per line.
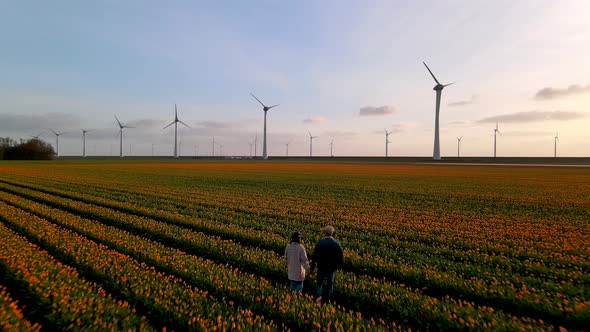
[527,133]
[215,125]
[551,93]
[459,123]
[533,116]
[341,133]
[396,128]
[36,122]
[471,101]
[147,123]
[314,119]
[377,111]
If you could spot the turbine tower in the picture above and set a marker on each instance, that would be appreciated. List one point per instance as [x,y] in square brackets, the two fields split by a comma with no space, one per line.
[458,146]
[287,145]
[311,143]
[56,141]
[175,123]
[84,131]
[387,141]
[496,131]
[438,88]
[331,148]
[121,127]
[213,147]
[265,109]
[555,139]
[256,145]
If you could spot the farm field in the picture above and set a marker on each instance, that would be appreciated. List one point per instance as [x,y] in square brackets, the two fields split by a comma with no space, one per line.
[197,245]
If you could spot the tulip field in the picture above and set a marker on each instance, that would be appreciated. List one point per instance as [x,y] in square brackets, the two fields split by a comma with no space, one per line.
[164,245]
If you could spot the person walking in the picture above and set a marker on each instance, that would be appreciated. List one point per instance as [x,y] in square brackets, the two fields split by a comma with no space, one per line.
[297,262]
[328,257]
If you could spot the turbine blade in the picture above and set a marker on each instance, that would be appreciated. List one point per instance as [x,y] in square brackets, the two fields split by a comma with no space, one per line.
[273,106]
[449,84]
[171,123]
[52,131]
[184,123]
[257,99]
[430,72]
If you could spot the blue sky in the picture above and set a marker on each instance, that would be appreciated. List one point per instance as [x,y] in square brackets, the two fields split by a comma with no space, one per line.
[68,65]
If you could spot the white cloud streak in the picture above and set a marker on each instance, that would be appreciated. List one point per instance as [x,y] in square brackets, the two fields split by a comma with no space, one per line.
[553,93]
[377,111]
[314,120]
[535,116]
[461,103]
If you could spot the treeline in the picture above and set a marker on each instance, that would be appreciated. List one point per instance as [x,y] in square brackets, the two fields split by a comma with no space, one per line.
[33,149]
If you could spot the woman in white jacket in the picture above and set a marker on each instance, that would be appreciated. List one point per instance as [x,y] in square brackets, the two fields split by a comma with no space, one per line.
[297,262]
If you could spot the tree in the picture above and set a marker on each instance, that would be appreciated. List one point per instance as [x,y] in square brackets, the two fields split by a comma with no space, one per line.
[33,149]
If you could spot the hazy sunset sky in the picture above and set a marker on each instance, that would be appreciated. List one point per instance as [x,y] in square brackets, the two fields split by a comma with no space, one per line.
[345,70]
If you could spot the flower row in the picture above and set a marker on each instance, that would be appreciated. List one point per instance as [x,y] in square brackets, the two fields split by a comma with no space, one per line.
[167,299]
[484,285]
[391,300]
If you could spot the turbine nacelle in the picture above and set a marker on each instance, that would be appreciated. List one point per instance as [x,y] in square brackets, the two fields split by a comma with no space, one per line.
[438,86]
[264,107]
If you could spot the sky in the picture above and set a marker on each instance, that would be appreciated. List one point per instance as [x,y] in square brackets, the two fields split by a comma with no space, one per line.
[344,71]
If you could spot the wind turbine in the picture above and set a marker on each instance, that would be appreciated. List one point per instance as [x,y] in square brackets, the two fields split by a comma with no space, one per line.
[331,148]
[496,131]
[265,109]
[311,143]
[555,139]
[121,127]
[287,145]
[35,136]
[175,123]
[213,147]
[438,88]
[387,141]
[458,145]
[56,141]
[84,131]
[256,145]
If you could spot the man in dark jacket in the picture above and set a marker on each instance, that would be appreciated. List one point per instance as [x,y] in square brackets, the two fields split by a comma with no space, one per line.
[327,256]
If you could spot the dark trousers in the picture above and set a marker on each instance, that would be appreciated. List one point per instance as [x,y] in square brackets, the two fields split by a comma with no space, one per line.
[328,277]
[296,286]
